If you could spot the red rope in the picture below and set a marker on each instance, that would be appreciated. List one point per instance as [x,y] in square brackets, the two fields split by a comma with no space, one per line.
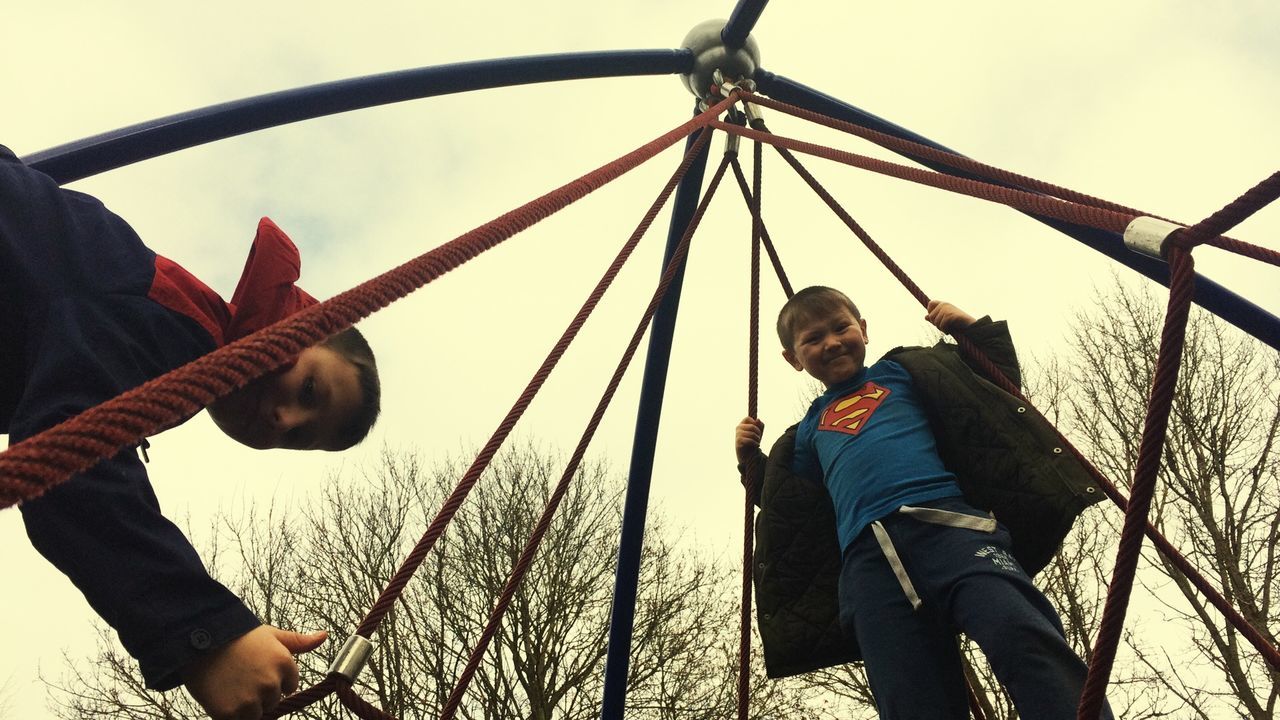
[30,467]
[304,698]
[764,231]
[753,410]
[959,162]
[1168,362]
[1020,199]
[852,224]
[526,556]
[358,705]
[1236,212]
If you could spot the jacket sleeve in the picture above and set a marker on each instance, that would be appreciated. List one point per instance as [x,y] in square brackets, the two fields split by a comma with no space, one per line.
[993,339]
[103,528]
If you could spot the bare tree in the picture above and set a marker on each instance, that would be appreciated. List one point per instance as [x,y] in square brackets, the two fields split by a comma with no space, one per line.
[321,566]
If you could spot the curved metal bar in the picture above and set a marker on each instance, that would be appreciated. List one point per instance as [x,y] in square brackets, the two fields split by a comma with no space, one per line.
[643,447]
[741,22]
[1208,294]
[117,148]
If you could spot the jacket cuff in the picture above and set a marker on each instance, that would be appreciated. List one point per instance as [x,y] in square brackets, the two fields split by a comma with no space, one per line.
[162,664]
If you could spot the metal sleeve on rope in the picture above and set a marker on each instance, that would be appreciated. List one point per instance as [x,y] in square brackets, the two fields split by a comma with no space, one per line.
[352,658]
[1149,235]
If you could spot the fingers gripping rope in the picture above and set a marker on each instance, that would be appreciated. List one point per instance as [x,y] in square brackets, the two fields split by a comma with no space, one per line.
[30,467]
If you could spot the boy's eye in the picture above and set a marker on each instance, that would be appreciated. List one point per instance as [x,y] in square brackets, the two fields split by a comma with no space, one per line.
[308,393]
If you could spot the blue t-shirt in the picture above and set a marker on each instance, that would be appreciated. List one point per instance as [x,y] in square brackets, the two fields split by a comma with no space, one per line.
[870,441]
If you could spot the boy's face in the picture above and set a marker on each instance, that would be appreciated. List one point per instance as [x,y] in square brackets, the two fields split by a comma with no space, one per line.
[303,407]
[830,347]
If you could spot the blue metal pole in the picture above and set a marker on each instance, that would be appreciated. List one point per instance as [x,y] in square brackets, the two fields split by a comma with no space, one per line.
[110,150]
[636,508]
[1208,294]
[744,17]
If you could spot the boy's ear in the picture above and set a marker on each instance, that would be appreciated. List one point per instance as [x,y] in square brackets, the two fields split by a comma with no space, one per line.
[863,323]
[790,357]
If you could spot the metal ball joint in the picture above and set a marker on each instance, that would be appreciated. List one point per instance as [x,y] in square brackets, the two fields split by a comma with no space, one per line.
[711,54]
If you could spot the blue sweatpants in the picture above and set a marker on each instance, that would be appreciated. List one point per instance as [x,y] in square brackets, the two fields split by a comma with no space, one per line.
[966,581]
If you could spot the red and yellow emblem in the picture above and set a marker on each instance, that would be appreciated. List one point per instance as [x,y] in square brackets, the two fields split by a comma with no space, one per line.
[850,413]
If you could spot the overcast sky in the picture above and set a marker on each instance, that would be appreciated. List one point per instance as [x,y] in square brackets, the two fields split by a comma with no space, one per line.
[1166,106]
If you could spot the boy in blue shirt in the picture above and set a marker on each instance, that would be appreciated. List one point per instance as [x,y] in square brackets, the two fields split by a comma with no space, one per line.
[87,311]
[916,562]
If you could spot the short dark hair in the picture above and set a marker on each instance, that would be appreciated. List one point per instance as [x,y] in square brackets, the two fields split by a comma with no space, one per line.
[805,305]
[352,346]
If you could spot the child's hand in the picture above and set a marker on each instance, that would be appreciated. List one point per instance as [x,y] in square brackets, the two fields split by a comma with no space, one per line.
[746,438]
[249,675]
[947,317]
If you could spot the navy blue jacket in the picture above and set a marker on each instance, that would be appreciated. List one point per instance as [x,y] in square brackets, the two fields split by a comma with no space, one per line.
[89,312]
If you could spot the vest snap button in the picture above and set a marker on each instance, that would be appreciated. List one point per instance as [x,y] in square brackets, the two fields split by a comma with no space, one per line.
[1022,409]
[1057,451]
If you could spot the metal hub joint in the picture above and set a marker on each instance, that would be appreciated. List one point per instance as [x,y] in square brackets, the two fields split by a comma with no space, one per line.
[710,54]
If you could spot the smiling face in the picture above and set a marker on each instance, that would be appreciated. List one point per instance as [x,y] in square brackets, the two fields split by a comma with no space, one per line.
[831,346]
[304,407]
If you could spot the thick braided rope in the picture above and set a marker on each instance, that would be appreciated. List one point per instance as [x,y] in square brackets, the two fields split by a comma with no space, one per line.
[388,597]
[1168,362]
[358,705]
[544,523]
[1169,359]
[958,162]
[1020,199]
[969,165]
[30,467]
[852,224]
[1256,638]
[769,248]
[304,698]
[753,410]
[1232,214]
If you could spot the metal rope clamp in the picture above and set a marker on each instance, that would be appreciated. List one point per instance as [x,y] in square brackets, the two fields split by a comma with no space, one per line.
[734,116]
[352,658]
[1149,236]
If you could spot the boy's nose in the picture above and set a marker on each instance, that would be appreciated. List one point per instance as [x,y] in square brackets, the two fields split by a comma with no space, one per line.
[288,417]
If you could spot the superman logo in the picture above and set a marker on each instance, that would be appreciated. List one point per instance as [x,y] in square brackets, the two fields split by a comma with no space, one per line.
[851,413]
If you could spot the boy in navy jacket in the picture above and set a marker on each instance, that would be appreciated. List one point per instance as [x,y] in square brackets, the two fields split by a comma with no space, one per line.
[87,312]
